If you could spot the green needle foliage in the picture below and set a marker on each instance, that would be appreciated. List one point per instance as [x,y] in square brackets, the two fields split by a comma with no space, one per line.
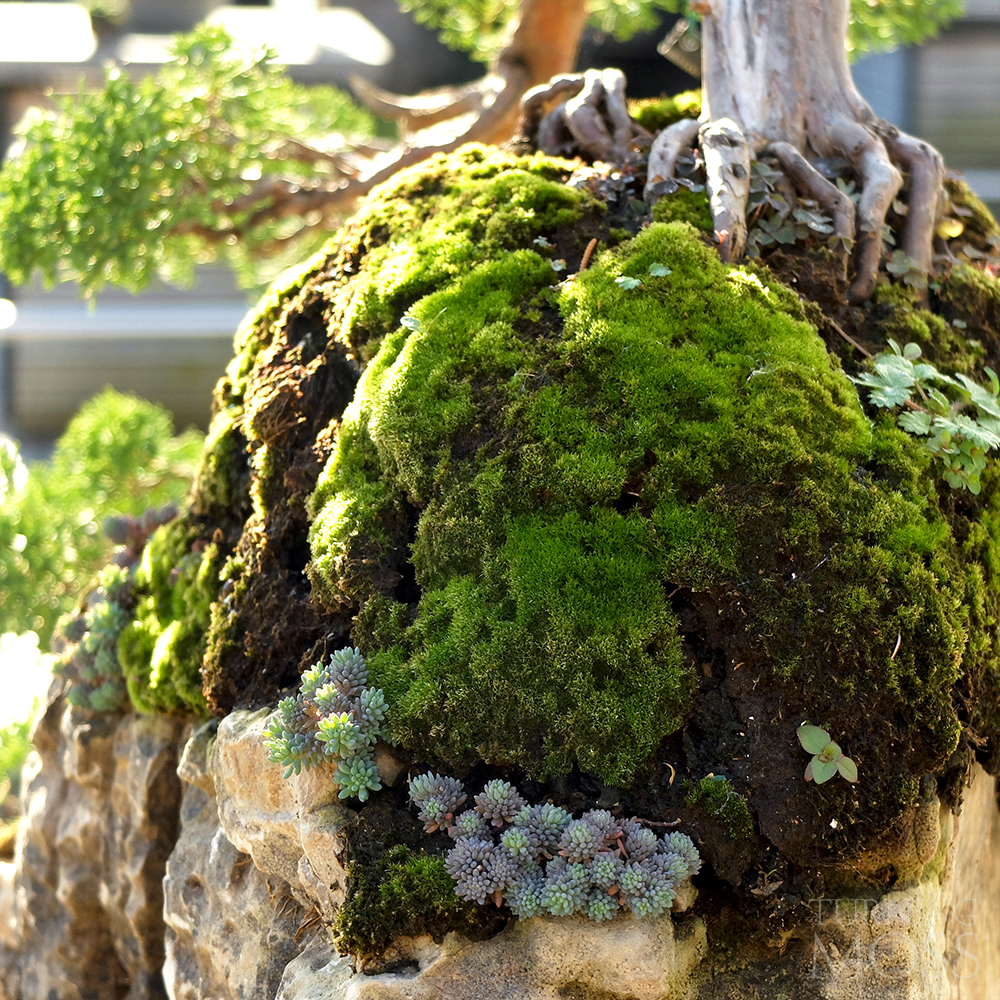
[878,27]
[151,177]
[478,26]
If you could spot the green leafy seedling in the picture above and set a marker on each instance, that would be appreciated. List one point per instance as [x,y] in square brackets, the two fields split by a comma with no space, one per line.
[828,758]
[960,427]
[628,283]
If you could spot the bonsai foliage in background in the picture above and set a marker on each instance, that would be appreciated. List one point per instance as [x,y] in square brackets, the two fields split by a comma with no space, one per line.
[145,178]
[479,26]
[119,455]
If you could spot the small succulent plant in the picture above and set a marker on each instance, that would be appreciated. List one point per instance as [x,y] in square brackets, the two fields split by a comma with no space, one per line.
[539,859]
[335,717]
[90,659]
[828,758]
[437,799]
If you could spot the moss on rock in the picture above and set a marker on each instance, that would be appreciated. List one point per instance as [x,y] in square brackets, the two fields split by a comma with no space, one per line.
[717,797]
[161,650]
[582,527]
[655,113]
[549,489]
[685,205]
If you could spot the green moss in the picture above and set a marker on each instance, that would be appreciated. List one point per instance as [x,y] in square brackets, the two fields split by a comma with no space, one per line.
[549,461]
[655,113]
[970,298]
[161,649]
[897,314]
[444,217]
[221,482]
[225,633]
[685,206]
[721,801]
[404,892]
[258,326]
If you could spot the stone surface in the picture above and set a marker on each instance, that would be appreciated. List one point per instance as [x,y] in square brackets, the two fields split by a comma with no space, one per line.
[972,907]
[254,869]
[277,820]
[548,958]
[125,889]
[230,929]
[318,973]
[82,908]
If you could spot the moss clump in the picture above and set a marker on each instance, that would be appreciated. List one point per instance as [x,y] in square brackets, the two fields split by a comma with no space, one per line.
[717,797]
[161,650]
[433,224]
[530,468]
[403,892]
[655,113]
[685,205]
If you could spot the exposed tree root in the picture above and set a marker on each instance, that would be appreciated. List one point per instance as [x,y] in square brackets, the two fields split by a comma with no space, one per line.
[868,152]
[668,147]
[581,111]
[727,166]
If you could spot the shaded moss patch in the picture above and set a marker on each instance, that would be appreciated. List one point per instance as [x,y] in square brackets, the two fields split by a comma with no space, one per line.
[721,802]
[397,885]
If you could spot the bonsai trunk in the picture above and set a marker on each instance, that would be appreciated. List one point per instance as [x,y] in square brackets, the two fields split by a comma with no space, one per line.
[776,81]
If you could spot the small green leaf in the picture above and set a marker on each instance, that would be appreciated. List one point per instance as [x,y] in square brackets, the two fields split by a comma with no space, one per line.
[899,263]
[830,752]
[813,739]
[628,283]
[410,323]
[659,270]
[916,422]
[911,352]
[558,265]
[823,770]
[848,769]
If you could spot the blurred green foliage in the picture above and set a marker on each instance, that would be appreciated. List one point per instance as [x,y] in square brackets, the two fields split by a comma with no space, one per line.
[14,749]
[137,179]
[886,24]
[118,456]
[478,26]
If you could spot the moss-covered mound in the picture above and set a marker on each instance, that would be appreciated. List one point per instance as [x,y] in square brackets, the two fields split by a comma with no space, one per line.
[627,528]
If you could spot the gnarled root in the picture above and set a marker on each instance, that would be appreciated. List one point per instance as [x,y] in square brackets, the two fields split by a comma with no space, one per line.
[586,114]
[727,165]
[926,195]
[808,181]
[869,148]
[668,147]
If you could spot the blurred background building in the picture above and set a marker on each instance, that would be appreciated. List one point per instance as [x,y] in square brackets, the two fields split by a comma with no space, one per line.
[170,345]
